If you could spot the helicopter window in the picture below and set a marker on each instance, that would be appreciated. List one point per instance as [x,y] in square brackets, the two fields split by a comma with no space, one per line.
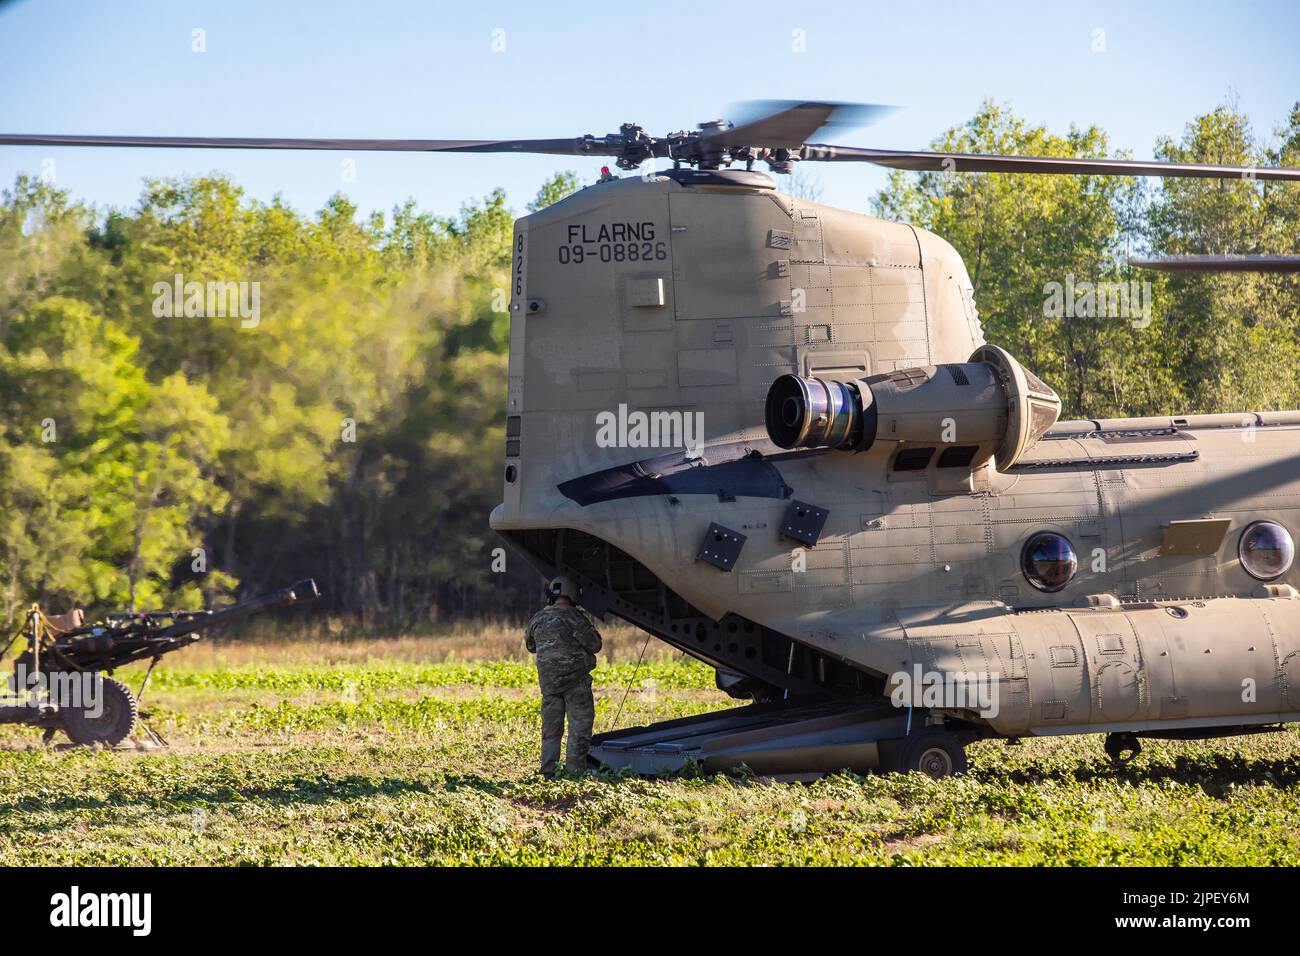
[1048,561]
[1266,550]
[912,459]
[958,456]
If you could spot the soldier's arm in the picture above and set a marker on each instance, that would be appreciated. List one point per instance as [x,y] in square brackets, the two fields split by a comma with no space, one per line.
[528,639]
[589,638]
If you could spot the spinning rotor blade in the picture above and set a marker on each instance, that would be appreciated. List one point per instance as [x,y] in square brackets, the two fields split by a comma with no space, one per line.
[576,146]
[926,161]
[1221,264]
[789,123]
[778,125]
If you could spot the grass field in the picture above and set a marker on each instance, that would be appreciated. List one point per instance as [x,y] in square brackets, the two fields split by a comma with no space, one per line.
[421,751]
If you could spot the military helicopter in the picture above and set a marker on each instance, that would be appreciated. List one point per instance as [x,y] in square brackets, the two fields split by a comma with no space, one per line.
[770,433]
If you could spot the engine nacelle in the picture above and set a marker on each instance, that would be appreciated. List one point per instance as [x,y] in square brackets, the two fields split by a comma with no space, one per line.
[987,407]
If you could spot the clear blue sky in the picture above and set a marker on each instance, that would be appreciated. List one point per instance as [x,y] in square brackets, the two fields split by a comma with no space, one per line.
[427,69]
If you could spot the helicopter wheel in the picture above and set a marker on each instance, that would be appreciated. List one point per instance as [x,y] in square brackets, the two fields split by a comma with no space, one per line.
[1121,748]
[115,722]
[934,752]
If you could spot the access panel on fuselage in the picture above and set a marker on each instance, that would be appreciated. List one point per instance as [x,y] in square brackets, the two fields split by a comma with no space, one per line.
[731,303]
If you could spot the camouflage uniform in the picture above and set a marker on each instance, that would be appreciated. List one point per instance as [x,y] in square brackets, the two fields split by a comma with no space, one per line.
[565,642]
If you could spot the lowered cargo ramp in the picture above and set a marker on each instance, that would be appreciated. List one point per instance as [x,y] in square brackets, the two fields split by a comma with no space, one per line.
[776,739]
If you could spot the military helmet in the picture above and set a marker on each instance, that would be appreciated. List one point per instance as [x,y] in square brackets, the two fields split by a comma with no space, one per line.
[562,586]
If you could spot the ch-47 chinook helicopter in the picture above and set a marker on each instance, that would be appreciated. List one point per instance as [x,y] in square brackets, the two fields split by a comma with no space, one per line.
[879,532]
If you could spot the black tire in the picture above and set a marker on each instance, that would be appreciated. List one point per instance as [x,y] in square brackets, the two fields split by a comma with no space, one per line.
[114,724]
[934,752]
[1122,747]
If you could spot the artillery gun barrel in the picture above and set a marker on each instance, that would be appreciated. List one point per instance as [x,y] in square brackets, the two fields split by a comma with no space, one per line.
[122,641]
[294,594]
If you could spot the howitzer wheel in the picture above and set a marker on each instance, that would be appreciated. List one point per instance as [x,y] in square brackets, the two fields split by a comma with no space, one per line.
[114,723]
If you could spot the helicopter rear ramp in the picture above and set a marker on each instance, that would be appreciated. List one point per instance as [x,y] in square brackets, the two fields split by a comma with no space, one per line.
[776,739]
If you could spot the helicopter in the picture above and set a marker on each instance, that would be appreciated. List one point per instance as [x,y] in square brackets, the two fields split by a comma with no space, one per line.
[770,433]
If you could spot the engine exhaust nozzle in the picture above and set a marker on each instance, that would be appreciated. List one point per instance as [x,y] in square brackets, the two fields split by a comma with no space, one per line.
[986,408]
[814,413]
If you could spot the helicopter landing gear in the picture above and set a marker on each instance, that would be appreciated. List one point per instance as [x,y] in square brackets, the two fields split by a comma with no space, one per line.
[1121,748]
[114,721]
[934,752]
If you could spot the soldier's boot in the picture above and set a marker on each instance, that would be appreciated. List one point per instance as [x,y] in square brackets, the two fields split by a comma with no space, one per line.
[581,708]
[552,731]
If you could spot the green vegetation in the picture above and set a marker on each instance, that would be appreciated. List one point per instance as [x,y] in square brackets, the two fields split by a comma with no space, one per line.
[353,428]
[350,428]
[1215,343]
[390,757]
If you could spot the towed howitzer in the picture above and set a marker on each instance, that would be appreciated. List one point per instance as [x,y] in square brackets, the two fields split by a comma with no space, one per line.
[58,681]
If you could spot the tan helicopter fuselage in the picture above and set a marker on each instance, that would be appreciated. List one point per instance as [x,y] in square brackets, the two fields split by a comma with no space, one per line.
[685,296]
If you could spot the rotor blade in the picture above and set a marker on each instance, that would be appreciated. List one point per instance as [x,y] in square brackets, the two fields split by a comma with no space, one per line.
[926,161]
[577,146]
[1220,264]
[789,123]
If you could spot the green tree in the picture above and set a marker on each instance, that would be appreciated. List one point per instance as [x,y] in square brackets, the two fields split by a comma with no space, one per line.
[560,186]
[109,475]
[1020,233]
[1232,337]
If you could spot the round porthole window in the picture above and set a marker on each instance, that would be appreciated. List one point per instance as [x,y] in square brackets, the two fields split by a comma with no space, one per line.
[1048,561]
[1266,550]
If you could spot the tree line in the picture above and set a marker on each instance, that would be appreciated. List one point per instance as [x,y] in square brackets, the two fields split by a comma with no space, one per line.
[343,416]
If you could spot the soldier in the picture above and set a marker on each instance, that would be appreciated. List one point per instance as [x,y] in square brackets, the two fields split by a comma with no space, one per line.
[565,642]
